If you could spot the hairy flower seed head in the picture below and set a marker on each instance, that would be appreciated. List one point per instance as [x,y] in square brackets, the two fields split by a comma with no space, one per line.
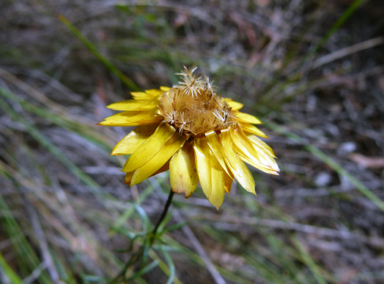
[194,113]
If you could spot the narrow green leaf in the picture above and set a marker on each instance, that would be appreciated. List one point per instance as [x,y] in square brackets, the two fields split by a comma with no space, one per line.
[307,259]
[92,48]
[331,163]
[170,264]
[144,270]
[143,216]
[9,273]
[340,21]
[44,141]
[166,220]
[174,227]
[19,241]
[58,119]
[93,279]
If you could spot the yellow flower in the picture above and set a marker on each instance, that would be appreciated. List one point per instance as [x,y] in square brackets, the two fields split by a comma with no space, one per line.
[194,133]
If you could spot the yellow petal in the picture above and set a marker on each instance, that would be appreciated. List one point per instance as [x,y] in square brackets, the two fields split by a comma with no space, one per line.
[217,150]
[165,88]
[158,160]
[135,105]
[133,140]
[182,171]
[213,177]
[267,160]
[266,153]
[265,157]
[202,156]
[128,176]
[259,143]
[249,128]
[164,168]
[141,96]
[154,92]
[245,117]
[234,105]
[236,165]
[217,182]
[227,183]
[149,148]
[242,142]
[147,95]
[133,118]
[258,165]
[246,150]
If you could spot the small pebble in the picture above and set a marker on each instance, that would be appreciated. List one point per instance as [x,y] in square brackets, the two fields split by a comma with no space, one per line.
[322,179]
[347,147]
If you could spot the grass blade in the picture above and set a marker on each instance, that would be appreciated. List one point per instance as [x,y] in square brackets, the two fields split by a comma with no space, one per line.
[345,16]
[331,163]
[171,266]
[43,140]
[9,273]
[92,48]
[307,259]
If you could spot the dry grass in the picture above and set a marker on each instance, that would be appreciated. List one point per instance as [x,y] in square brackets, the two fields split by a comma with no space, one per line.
[311,70]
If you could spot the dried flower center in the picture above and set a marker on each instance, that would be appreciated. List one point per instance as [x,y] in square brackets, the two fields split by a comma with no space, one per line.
[194,109]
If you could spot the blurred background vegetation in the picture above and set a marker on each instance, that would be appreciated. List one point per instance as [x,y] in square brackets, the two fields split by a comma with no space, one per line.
[312,70]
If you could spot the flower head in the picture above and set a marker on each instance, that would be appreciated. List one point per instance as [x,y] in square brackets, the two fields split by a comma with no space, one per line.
[193,132]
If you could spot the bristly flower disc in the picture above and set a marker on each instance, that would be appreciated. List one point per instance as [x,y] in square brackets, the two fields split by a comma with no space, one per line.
[193,132]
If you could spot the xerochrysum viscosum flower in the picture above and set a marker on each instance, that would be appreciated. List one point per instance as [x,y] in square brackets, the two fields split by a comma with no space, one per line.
[194,133]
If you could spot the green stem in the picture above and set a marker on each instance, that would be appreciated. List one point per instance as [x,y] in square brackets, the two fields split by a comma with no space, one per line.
[163,214]
[138,255]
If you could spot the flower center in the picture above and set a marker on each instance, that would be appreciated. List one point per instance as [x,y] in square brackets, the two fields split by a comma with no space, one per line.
[195,112]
